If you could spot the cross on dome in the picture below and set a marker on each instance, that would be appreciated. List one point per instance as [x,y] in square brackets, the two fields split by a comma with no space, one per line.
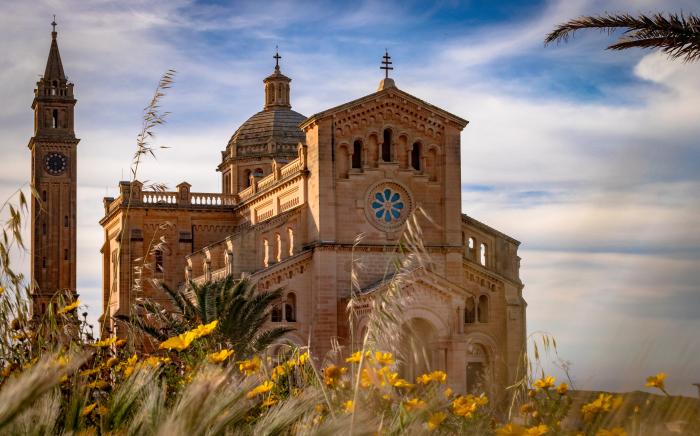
[53,23]
[386,62]
[277,58]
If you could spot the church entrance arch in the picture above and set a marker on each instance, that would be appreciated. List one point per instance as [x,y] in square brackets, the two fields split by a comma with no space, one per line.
[417,348]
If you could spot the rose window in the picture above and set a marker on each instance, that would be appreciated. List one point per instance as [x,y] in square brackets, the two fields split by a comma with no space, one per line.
[387,205]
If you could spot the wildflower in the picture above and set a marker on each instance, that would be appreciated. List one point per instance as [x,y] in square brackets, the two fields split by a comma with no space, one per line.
[88,409]
[105,343]
[435,420]
[349,406]
[604,403]
[131,361]
[120,343]
[538,430]
[6,371]
[303,358]
[384,359]
[70,307]
[415,404]
[436,376]
[98,384]
[89,372]
[511,430]
[269,402]
[562,389]
[354,357]
[220,356]
[332,374]
[397,382]
[102,410]
[61,361]
[448,392]
[527,408]
[2,290]
[262,388]
[179,342]
[250,366]
[278,371]
[616,431]
[111,362]
[205,330]
[154,361]
[656,381]
[466,405]
[544,383]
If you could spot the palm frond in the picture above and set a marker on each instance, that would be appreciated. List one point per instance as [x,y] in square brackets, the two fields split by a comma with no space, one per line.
[675,34]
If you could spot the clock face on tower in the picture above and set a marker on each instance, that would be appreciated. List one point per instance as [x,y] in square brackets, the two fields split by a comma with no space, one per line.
[55,163]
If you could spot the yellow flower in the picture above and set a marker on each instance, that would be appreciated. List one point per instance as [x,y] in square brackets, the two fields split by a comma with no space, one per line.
[2,290]
[466,405]
[656,381]
[537,430]
[617,431]
[111,362]
[105,343]
[131,361]
[415,404]
[435,420]
[250,366]
[179,342]
[154,361]
[436,376]
[354,357]
[527,408]
[262,388]
[545,383]
[87,409]
[98,384]
[562,389]
[349,406]
[384,359]
[128,371]
[332,374]
[448,392]
[102,410]
[304,358]
[89,372]
[220,356]
[397,382]
[604,403]
[204,330]
[68,308]
[511,430]
[278,371]
[61,361]
[268,402]
[120,343]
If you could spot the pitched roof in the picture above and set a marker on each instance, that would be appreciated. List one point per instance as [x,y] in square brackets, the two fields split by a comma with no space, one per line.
[54,67]
[382,92]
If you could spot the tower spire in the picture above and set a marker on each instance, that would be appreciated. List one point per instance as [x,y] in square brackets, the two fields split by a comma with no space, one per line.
[277,87]
[277,58]
[54,67]
[386,82]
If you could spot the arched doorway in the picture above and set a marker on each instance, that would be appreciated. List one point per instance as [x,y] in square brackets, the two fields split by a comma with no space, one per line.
[417,348]
[477,370]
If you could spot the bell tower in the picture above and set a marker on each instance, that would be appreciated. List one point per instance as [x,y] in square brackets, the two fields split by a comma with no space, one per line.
[54,171]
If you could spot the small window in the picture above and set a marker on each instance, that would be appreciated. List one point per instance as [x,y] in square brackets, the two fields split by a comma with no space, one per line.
[290,308]
[158,261]
[43,195]
[415,156]
[65,254]
[482,257]
[483,309]
[469,311]
[357,154]
[258,172]
[276,313]
[471,244]
[43,262]
[65,221]
[386,146]
[246,182]
[54,118]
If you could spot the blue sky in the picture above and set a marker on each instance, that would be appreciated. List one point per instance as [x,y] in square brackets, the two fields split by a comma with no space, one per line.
[588,157]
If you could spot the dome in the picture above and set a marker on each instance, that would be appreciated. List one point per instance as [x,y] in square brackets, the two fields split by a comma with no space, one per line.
[271,131]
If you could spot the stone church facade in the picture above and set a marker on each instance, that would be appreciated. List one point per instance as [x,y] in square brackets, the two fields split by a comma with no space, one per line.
[296,193]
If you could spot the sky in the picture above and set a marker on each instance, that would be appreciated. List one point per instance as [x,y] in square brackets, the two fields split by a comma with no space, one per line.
[589,157]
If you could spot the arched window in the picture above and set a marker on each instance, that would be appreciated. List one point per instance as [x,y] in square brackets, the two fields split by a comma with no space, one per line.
[258,172]
[276,313]
[469,311]
[54,118]
[290,240]
[415,156]
[482,254]
[246,181]
[386,146]
[357,154]
[483,309]
[290,308]
[158,261]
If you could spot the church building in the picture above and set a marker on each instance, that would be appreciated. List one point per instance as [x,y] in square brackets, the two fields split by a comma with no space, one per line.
[296,193]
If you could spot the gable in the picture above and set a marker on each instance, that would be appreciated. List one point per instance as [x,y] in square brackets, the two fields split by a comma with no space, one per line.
[408,108]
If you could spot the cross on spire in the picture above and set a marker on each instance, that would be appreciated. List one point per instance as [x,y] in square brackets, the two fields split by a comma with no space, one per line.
[277,58]
[386,62]
[53,23]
